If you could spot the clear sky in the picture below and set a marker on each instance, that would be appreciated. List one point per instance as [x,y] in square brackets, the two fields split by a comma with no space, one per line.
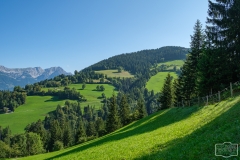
[74,34]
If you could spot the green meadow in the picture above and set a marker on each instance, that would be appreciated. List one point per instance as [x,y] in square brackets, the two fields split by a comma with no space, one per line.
[156,82]
[175,133]
[114,73]
[36,107]
[93,97]
[171,64]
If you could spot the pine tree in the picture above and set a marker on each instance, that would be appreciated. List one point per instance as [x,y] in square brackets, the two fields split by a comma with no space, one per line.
[79,110]
[223,32]
[55,132]
[124,111]
[141,108]
[212,71]
[91,129]
[113,121]
[80,136]
[166,98]
[67,136]
[177,95]
[100,126]
[189,70]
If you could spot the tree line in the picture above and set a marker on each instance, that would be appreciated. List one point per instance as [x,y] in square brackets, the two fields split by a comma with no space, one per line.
[140,62]
[10,100]
[213,61]
[70,125]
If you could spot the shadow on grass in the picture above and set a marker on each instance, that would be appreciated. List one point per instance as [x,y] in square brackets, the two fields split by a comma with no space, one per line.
[148,124]
[200,144]
[53,99]
[100,97]
[97,90]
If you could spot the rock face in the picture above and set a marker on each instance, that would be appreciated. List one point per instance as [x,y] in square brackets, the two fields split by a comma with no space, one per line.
[10,77]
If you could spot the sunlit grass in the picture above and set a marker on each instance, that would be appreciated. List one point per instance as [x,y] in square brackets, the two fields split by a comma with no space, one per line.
[36,107]
[93,97]
[175,62]
[156,82]
[114,73]
[176,133]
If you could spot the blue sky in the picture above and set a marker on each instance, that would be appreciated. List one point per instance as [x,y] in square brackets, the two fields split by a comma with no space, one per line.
[74,34]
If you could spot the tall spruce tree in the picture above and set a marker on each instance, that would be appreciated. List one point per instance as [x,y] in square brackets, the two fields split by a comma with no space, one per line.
[55,132]
[91,129]
[80,136]
[113,121]
[223,31]
[67,136]
[166,98]
[100,126]
[142,112]
[187,80]
[124,111]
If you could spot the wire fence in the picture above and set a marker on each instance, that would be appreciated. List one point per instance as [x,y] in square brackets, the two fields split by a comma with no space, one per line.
[231,91]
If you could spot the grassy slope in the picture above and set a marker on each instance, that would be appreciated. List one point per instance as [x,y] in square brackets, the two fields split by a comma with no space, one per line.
[178,63]
[156,82]
[36,107]
[176,133]
[93,97]
[114,73]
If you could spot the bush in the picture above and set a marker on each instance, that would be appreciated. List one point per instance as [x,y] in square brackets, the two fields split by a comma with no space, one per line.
[58,145]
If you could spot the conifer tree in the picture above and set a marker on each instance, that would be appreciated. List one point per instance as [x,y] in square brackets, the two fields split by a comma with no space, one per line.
[189,71]
[67,136]
[166,98]
[113,121]
[79,110]
[141,108]
[91,129]
[212,71]
[55,132]
[223,31]
[100,126]
[80,136]
[177,96]
[185,88]
[124,111]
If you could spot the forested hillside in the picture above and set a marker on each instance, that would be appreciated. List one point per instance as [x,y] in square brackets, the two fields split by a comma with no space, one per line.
[78,122]
[141,61]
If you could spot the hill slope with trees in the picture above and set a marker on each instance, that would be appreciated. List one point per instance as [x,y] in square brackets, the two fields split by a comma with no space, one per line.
[176,130]
[140,62]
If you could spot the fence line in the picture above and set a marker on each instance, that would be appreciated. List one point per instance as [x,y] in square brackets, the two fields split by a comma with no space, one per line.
[231,91]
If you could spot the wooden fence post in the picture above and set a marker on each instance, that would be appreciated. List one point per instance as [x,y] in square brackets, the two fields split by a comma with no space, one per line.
[231,89]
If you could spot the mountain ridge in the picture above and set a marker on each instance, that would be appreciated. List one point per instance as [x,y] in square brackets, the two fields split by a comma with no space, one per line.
[10,77]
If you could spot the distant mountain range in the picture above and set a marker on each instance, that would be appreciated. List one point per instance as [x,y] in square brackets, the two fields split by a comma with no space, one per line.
[10,77]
